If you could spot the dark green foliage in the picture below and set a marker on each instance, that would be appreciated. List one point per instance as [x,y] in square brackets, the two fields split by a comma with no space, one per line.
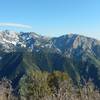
[37,85]
[34,85]
[19,63]
[55,86]
[54,80]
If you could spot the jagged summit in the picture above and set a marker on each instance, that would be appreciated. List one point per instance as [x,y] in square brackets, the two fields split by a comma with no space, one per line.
[77,55]
[10,40]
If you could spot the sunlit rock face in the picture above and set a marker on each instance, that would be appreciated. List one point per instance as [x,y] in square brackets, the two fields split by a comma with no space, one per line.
[77,55]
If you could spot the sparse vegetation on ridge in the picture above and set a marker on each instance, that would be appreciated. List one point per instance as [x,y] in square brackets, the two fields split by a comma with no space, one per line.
[48,86]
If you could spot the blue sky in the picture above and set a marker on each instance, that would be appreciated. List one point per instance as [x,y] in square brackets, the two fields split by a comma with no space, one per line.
[53,17]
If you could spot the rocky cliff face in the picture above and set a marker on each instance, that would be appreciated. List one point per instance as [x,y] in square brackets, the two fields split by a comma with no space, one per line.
[77,55]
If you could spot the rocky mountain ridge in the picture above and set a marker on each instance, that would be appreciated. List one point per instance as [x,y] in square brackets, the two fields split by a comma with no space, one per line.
[77,55]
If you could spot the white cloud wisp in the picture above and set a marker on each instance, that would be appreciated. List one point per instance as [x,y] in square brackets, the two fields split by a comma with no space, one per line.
[16,25]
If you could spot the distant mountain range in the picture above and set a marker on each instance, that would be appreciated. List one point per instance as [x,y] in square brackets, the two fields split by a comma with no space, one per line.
[77,55]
